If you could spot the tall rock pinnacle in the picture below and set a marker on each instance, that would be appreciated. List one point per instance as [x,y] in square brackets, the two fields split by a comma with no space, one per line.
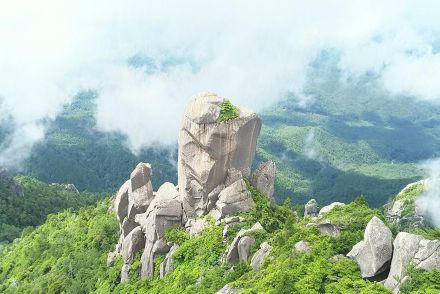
[209,148]
[214,155]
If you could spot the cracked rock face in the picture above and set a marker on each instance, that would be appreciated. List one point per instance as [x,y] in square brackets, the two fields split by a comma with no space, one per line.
[264,179]
[412,249]
[374,252]
[208,149]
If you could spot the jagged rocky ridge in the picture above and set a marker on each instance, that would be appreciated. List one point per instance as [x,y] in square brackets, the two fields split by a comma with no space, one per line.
[213,159]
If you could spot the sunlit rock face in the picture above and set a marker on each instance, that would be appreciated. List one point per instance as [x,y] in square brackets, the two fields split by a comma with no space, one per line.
[208,149]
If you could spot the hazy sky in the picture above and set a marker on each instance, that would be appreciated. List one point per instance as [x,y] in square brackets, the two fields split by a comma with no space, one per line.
[253,52]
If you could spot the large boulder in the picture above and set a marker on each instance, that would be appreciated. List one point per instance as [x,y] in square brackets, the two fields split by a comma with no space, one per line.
[233,254]
[260,255]
[208,149]
[412,249]
[133,242]
[329,229]
[121,202]
[374,253]
[311,208]
[164,211]
[140,193]
[264,179]
[234,198]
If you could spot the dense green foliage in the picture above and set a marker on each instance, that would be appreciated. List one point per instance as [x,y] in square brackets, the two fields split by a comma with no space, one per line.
[228,111]
[39,200]
[65,255]
[68,255]
[422,282]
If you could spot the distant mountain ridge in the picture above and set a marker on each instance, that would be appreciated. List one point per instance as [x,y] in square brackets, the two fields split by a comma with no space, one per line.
[352,138]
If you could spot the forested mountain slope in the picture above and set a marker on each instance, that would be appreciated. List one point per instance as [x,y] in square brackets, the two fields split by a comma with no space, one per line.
[74,151]
[351,138]
[36,200]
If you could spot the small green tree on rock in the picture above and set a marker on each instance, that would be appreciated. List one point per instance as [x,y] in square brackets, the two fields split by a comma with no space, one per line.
[228,111]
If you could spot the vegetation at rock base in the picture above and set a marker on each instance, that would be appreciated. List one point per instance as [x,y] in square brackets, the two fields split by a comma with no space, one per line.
[68,254]
[422,282]
[38,201]
[228,111]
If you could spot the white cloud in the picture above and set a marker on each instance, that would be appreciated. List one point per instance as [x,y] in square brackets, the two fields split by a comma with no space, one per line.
[250,51]
[429,201]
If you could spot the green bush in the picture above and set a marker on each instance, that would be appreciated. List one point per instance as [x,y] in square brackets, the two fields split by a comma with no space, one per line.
[176,235]
[228,111]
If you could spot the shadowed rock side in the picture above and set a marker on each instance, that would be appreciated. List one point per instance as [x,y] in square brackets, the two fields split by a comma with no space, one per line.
[213,159]
[374,253]
[264,179]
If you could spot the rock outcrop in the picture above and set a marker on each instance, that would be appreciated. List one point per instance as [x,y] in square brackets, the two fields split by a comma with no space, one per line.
[303,247]
[140,190]
[133,243]
[214,156]
[397,212]
[311,208]
[208,149]
[239,248]
[374,253]
[260,255]
[233,198]
[244,248]
[330,207]
[412,249]
[329,229]
[264,179]
[164,211]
